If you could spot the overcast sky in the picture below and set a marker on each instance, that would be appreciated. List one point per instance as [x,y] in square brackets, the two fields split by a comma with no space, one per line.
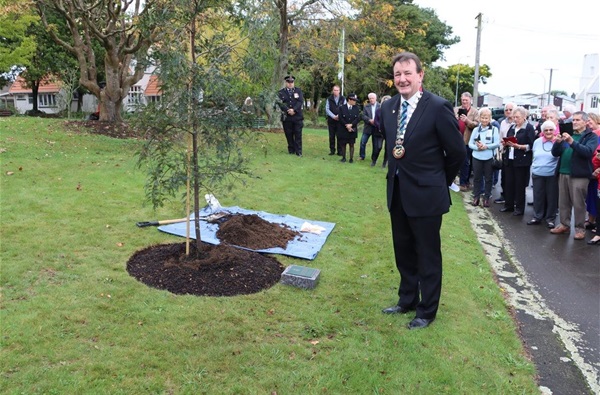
[521,40]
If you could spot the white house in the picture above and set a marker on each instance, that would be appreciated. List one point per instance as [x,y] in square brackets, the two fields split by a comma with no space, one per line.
[51,97]
[588,98]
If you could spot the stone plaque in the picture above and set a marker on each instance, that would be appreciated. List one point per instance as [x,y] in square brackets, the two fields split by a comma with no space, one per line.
[300,276]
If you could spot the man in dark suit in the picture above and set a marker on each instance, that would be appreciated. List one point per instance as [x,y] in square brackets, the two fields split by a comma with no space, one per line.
[332,110]
[368,117]
[291,102]
[425,151]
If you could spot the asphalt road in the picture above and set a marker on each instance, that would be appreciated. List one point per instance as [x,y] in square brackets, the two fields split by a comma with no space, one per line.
[553,283]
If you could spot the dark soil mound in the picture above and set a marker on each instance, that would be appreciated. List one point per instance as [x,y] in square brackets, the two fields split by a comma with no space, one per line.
[251,231]
[118,130]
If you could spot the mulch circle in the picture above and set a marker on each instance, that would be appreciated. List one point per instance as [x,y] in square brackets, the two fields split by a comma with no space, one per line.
[117,130]
[219,270]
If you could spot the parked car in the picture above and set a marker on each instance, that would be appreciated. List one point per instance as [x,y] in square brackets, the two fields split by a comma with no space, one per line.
[535,113]
[497,113]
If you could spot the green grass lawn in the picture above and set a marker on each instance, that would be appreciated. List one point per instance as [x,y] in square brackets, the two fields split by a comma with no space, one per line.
[73,320]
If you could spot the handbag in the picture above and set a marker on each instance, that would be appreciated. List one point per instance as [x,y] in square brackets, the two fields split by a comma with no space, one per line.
[496,160]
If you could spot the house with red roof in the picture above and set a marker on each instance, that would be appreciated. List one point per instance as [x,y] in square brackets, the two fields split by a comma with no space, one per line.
[48,95]
[51,95]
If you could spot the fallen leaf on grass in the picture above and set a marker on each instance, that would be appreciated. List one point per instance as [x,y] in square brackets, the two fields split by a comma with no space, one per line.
[120,244]
[314,342]
[10,173]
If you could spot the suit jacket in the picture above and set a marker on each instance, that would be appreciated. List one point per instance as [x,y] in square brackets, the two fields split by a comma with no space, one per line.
[367,115]
[434,152]
[294,100]
[584,151]
[349,116]
[524,136]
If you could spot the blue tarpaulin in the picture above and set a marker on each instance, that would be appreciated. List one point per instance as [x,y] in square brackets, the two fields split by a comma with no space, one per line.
[305,247]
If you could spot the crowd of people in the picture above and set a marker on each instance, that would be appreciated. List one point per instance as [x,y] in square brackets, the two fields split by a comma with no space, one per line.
[558,157]
[427,144]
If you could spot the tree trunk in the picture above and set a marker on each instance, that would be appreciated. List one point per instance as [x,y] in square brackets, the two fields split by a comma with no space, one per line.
[282,64]
[35,88]
[110,25]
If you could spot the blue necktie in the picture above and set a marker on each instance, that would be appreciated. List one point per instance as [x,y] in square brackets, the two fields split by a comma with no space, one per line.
[403,117]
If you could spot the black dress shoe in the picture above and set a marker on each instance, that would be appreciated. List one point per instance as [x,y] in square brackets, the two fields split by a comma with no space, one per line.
[517,213]
[419,323]
[397,310]
[534,222]
[332,153]
[506,210]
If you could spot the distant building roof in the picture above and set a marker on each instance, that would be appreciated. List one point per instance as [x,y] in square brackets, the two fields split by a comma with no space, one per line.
[153,88]
[47,85]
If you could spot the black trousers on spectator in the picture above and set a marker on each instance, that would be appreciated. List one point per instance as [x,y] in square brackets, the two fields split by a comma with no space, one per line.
[516,180]
[545,197]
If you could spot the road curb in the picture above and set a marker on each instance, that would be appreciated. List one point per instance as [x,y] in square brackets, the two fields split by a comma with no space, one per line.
[552,343]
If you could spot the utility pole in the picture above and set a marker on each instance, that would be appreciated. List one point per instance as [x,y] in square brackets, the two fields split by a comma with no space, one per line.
[550,85]
[476,81]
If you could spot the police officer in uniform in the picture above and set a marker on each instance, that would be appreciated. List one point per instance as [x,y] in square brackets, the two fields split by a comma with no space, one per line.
[290,103]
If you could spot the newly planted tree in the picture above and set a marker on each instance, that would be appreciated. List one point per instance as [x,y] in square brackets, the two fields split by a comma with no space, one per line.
[196,132]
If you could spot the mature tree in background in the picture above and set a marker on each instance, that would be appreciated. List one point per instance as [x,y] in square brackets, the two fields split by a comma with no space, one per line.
[558,93]
[125,30]
[436,81]
[283,21]
[382,29]
[49,63]
[314,51]
[27,50]
[465,75]
[16,46]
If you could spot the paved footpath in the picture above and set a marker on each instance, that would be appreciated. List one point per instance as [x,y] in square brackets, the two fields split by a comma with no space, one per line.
[553,284]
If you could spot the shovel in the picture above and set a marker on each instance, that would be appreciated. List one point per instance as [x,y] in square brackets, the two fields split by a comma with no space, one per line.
[207,218]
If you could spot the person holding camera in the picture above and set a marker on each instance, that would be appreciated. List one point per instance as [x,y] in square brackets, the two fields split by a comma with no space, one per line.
[574,171]
[468,119]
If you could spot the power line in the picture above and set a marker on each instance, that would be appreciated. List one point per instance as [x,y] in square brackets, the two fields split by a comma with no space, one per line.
[580,36]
